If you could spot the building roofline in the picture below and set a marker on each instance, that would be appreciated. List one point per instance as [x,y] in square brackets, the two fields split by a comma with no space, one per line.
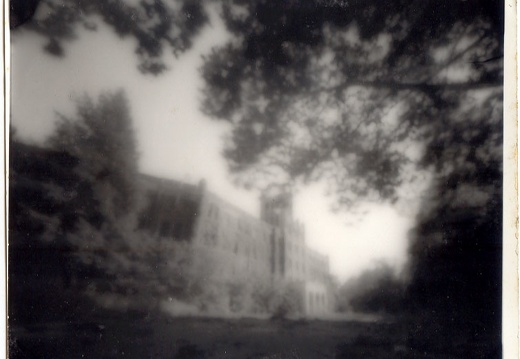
[214,196]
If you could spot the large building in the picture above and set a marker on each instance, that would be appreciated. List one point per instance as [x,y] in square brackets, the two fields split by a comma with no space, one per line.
[237,243]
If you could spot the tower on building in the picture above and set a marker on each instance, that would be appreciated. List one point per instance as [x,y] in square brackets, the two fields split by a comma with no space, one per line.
[276,206]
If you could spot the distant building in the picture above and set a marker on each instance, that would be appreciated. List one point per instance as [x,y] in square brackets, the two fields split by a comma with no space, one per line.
[239,244]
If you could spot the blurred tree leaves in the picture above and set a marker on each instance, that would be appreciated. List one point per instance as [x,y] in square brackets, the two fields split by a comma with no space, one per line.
[347,91]
[102,137]
[155,24]
[379,289]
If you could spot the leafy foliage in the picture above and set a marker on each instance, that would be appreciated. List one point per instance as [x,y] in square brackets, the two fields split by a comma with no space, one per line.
[73,206]
[154,24]
[40,188]
[378,289]
[118,259]
[101,137]
[262,296]
[456,247]
[342,90]
[334,90]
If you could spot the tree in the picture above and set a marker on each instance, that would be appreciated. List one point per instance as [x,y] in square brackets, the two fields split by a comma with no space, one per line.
[40,210]
[378,289]
[73,206]
[122,264]
[456,247]
[340,90]
[154,24]
[106,203]
[102,138]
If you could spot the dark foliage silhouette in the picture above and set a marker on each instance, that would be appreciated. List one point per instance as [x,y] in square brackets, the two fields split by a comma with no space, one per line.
[154,24]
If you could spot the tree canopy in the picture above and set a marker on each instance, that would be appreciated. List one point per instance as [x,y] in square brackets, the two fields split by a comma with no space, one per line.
[102,138]
[345,91]
[154,24]
[342,90]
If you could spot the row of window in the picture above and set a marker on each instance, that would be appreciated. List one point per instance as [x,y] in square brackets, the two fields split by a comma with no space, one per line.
[296,249]
[259,251]
[300,270]
[299,254]
[249,249]
[297,266]
[236,268]
[238,224]
[251,240]
[248,228]
[317,300]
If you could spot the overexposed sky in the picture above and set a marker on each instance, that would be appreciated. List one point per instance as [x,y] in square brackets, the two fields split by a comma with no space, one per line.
[176,140]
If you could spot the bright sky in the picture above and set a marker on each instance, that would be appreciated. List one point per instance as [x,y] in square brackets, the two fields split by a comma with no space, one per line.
[176,140]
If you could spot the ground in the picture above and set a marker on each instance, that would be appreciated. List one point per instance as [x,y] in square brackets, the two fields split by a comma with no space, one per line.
[135,335]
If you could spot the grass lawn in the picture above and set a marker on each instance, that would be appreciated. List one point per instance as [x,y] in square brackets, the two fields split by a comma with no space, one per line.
[157,336]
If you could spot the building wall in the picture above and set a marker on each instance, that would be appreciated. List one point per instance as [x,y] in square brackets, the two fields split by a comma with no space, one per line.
[317,299]
[171,208]
[241,239]
[231,243]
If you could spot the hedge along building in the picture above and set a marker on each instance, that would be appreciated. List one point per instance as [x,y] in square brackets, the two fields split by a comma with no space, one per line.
[231,245]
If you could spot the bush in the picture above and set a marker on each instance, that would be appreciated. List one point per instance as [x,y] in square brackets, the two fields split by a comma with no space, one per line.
[287,301]
[378,289]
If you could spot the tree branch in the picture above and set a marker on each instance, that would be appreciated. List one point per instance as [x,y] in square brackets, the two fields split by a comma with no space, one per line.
[427,88]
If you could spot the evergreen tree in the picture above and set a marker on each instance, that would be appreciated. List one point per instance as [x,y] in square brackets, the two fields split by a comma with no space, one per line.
[102,138]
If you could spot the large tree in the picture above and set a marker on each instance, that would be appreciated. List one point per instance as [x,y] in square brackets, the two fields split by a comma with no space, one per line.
[342,89]
[71,209]
[103,241]
[101,136]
